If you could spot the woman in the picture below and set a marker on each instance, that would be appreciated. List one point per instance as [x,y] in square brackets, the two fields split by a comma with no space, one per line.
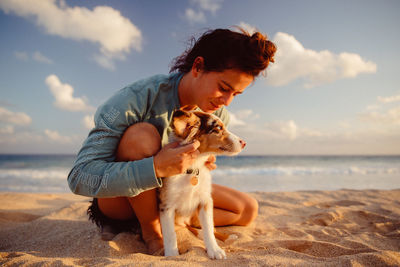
[126,154]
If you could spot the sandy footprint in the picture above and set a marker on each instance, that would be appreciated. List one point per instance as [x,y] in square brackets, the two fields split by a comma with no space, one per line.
[320,249]
[325,218]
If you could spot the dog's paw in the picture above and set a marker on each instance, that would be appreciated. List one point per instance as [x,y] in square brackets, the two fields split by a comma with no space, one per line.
[216,253]
[171,252]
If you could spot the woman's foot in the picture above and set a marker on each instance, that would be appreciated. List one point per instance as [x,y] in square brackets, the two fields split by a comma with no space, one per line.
[152,237]
[107,233]
[154,246]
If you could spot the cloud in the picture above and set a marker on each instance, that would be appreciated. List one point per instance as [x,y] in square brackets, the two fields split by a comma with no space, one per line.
[284,129]
[27,140]
[197,14]
[9,129]
[63,94]
[88,122]
[234,121]
[390,99]
[391,116]
[39,57]
[242,117]
[288,137]
[105,26]
[382,114]
[247,114]
[293,62]
[208,5]
[17,118]
[56,137]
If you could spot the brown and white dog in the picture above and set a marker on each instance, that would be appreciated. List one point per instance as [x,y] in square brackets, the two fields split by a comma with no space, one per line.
[181,196]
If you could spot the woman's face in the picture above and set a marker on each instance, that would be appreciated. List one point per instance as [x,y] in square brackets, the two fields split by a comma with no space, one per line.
[216,89]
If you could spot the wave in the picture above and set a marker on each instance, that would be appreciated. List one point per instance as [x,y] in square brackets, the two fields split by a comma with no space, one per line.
[36,174]
[305,171]
[34,180]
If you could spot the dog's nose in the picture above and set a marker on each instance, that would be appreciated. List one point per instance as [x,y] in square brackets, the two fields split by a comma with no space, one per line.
[242,143]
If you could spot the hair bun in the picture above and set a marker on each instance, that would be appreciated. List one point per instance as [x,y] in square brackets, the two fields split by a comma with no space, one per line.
[270,50]
[260,40]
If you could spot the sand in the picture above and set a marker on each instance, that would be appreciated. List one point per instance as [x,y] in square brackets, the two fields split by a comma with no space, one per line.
[307,228]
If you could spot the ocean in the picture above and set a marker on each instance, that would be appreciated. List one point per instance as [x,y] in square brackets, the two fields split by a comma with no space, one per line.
[48,173]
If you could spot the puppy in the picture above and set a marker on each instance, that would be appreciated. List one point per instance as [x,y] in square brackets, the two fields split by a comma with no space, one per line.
[181,196]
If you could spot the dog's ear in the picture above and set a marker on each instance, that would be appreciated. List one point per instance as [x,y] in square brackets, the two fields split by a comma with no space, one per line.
[188,107]
[185,123]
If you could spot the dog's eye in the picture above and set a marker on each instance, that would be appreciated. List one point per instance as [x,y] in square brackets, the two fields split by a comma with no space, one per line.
[216,129]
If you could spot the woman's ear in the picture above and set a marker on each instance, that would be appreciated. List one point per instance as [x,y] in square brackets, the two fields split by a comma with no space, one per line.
[198,66]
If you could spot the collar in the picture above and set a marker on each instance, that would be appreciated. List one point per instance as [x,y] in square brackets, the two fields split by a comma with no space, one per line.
[195,171]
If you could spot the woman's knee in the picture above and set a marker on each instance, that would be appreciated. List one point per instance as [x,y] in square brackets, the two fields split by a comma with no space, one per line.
[139,141]
[249,212]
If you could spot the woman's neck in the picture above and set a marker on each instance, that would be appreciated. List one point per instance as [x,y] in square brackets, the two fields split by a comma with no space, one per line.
[185,91]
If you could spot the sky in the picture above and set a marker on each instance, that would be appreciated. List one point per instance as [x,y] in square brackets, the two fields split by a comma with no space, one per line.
[333,89]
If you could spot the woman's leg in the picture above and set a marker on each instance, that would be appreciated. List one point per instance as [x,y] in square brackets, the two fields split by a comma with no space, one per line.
[232,207]
[139,141]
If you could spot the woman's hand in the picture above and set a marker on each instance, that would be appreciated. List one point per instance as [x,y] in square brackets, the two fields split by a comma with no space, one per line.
[173,159]
[210,163]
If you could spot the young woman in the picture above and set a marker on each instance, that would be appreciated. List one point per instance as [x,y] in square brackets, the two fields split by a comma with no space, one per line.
[126,154]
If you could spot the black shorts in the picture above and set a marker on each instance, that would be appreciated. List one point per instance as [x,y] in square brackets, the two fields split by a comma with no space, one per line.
[101,220]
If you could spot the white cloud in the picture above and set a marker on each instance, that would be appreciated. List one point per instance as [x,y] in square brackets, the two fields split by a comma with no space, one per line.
[208,5]
[56,137]
[373,107]
[63,94]
[25,140]
[104,61]
[37,56]
[41,58]
[9,129]
[391,116]
[197,14]
[304,132]
[242,117]
[283,129]
[293,61]
[287,137]
[17,118]
[234,121]
[105,26]
[247,114]
[390,99]
[88,122]
[381,114]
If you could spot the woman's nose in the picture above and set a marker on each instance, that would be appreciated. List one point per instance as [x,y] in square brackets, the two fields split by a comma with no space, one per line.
[226,99]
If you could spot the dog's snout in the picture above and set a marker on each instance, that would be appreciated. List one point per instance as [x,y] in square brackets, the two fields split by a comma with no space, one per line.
[242,143]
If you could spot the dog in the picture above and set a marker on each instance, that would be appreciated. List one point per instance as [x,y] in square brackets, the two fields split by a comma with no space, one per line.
[181,196]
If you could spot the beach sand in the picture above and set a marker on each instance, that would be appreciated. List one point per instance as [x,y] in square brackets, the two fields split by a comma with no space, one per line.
[306,228]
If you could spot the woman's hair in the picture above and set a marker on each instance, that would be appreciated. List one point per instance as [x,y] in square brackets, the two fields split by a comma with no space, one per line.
[225,49]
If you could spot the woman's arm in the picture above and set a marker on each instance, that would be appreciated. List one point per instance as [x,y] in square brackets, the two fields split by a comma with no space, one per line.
[95,172]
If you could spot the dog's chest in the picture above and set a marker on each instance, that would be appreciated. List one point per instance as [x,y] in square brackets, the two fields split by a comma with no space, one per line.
[179,193]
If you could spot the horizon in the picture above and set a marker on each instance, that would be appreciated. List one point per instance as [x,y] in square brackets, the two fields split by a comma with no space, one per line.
[239,155]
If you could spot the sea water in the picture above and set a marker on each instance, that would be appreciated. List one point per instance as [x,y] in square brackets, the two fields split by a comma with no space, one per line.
[48,173]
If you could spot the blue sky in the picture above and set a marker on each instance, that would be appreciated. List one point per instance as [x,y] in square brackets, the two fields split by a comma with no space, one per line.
[334,88]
